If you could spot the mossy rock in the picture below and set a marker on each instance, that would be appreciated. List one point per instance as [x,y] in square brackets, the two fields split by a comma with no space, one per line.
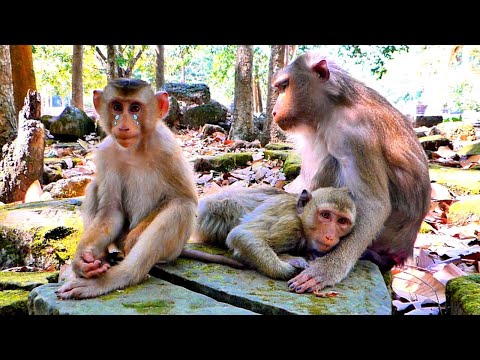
[276,154]
[465,210]
[471,149]
[10,280]
[13,302]
[39,233]
[463,295]
[223,163]
[433,142]
[292,166]
[279,146]
[459,181]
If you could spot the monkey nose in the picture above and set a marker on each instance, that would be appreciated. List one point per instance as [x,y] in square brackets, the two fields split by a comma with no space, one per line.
[274,113]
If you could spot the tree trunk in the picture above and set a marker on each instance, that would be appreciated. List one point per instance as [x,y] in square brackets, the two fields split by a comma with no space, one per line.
[23,161]
[242,126]
[258,95]
[23,75]
[271,131]
[183,74]
[32,110]
[112,71]
[160,68]
[8,123]
[77,76]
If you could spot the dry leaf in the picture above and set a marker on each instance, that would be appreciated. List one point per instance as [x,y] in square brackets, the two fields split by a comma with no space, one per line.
[424,311]
[325,294]
[470,162]
[440,192]
[34,192]
[280,184]
[445,152]
[448,271]
[204,179]
[413,285]
[257,156]
[424,259]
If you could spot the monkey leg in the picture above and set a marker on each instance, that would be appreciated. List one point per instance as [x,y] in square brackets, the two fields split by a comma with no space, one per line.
[254,251]
[297,261]
[162,240]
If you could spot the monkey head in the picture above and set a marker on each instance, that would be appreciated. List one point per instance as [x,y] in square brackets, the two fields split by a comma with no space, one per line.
[129,109]
[327,214]
[309,85]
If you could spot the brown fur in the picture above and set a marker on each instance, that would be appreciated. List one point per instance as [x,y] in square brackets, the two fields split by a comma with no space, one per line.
[264,222]
[349,135]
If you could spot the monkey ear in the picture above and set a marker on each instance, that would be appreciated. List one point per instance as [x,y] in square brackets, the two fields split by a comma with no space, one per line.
[163,105]
[97,99]
[321,68]
[303,200]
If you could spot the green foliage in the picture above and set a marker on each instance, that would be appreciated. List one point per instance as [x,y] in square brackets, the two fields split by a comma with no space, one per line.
[453,119]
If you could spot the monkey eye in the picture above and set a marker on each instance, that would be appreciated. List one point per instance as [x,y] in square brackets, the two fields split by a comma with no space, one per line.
[343,221]
[325,214]
[117,106]
[134,108]
[282,85]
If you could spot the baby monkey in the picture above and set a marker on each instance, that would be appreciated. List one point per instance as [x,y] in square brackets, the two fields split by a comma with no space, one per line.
[309,224]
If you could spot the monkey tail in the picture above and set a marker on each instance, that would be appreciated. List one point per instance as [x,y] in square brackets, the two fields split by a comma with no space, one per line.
[217,218]
[218,259]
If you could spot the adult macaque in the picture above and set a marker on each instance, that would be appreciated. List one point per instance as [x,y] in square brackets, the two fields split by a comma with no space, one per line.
[351,136]
[143,198]
[310,224]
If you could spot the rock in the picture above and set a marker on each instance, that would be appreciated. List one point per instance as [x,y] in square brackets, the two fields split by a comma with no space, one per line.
[152,297]
[39,234]
[71,124]
[174,115]
[362,292]
[427,121]
[13,302]
[459,181]
[277,154]
[279,146]
[47,120]
[463,295]
[433,142]
[190,94]
[223,163]
[292,166]
[209,129]
[67,188]
[211,113]
[12,280]
[52,173]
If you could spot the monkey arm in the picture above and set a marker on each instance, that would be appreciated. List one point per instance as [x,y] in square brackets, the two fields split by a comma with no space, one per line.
[162,240]
[369,183]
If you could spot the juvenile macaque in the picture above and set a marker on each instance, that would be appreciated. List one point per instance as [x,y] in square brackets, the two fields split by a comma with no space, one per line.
[310,225]
[143,199]
[349,135]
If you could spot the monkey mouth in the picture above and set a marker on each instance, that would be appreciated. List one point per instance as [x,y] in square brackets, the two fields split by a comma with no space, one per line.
[284,124]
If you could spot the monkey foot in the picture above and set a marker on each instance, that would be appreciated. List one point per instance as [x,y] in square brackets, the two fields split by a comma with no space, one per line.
[80,288]
[90,267]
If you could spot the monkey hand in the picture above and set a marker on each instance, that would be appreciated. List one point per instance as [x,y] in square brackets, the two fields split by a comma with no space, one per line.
[299,263]
[88,265]
[315,277]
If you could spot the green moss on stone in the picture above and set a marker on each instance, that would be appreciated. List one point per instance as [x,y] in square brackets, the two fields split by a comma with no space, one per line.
[459,181]
[279,146]
[24,280]
[463,295]
[13,302]
[231,161]
[464,211]
[157,307]
[276,154]
[472,149]
[292,166]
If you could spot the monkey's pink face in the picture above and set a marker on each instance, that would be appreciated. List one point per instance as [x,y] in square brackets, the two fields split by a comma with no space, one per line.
[126,121]
[329,227]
